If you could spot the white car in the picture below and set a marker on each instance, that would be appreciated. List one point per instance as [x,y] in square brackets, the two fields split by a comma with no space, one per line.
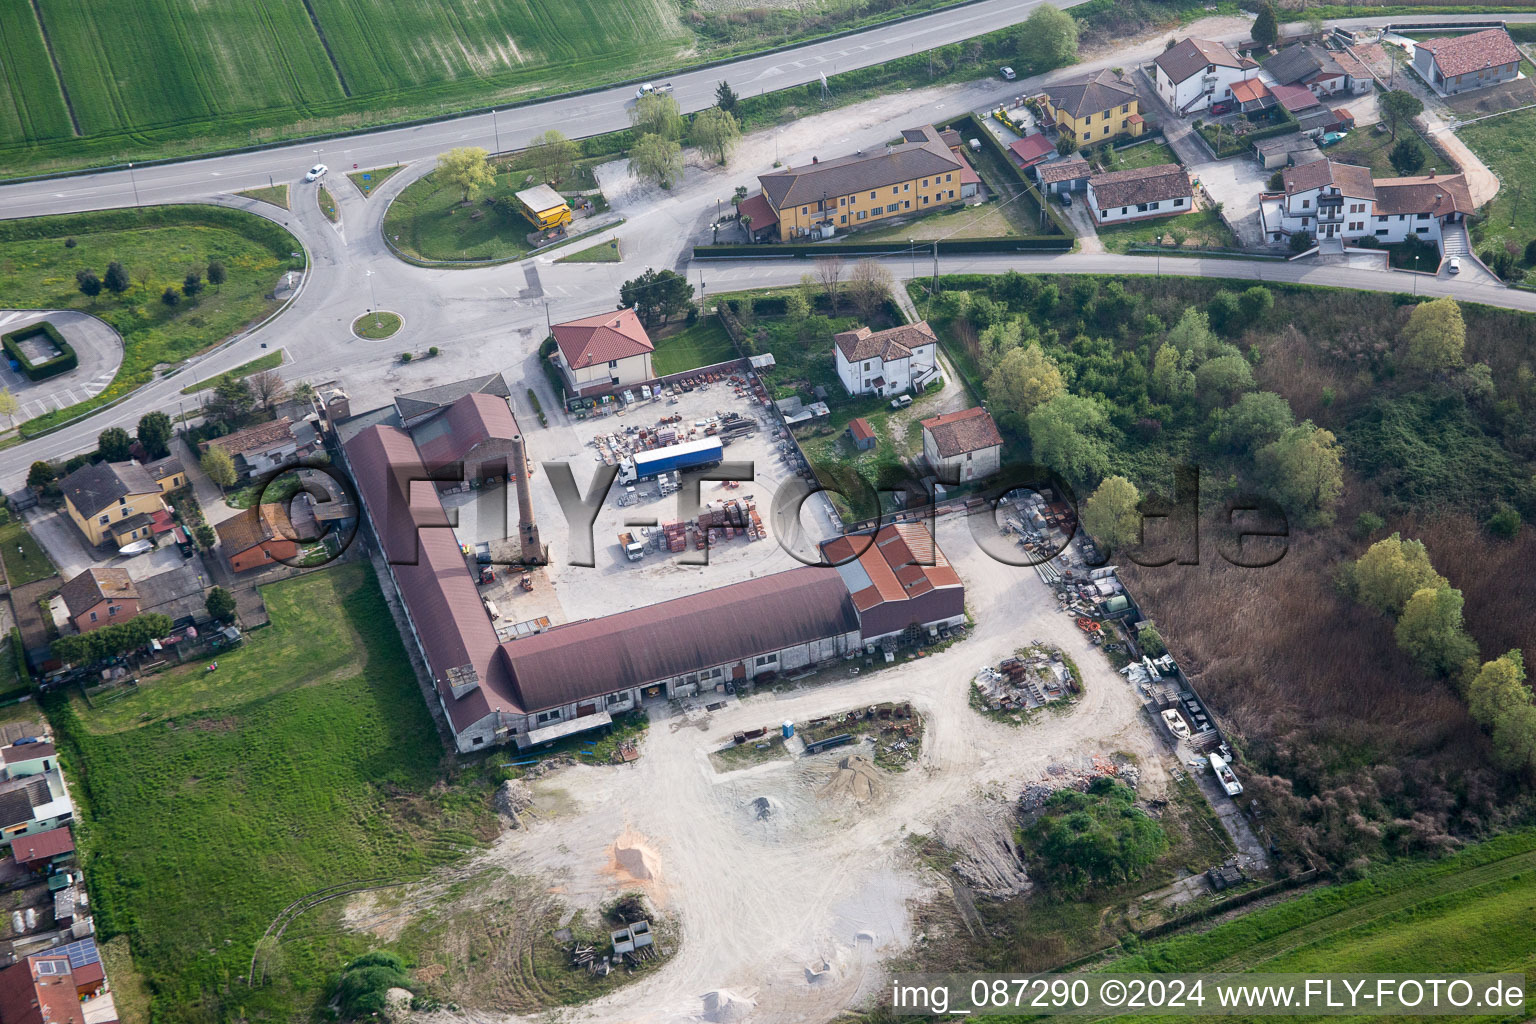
[1454,266]
[316,172]
[1007,73]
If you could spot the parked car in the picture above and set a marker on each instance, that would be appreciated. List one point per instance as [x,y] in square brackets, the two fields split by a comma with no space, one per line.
[1222,107]
[316,172]
[1454,266]
[1007,73]
[901,401]
[1066,199]
[1331,138]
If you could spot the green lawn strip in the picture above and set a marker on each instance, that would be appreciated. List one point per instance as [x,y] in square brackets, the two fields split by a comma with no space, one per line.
[280,489]
[430,221]
[276,195]
[367,181]
[327,203]
[703,344]
[270,361]
[157,246]
[25,561]
[1507,144]
[989,220]
[1201,230]
[211,801]
[602,252]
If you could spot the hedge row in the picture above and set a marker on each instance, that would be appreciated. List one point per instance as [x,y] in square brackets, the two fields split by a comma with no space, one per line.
[65,361]
[273,236]
[19,652]
[1039,243]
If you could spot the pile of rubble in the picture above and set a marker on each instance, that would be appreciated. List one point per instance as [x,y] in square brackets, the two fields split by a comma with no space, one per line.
[1036,676]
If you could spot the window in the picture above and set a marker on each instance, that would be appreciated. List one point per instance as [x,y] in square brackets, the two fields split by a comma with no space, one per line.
[1381,231]
[862,215]
[805,209]
[925,183]
[93,616]
[1141,207]
[1124,210]
[906,186]
[1305,221]
[951,193]
[1125,108]
[1421,231]
[1124,123]
[617,698]
[1106,129]
[112,609]
[1178,202]
[613,364]
[843,219]
[477,741]
[907,204]
[104,520]
[122,501]
[866,365]
[877,211]
[871,195]
[1306,203]
[1381,220]
[766,659]
[127,511]
[1421,216]
[949,177]
[548,716]
[925,200]
[895,190]
[1088,119]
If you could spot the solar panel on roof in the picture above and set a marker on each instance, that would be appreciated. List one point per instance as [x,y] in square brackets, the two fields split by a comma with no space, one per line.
[80,953]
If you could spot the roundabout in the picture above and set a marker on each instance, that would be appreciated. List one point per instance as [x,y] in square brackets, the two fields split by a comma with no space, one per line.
[378,325]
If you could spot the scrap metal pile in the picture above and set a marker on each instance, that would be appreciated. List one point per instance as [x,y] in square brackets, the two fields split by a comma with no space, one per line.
[1036,676]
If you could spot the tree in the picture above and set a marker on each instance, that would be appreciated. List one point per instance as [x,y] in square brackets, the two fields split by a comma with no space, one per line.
[192,284]
[869,285]
[1430,632]
[1226,314]
[553,156]
[656,295]
[41,474]
[1498,688]
[304,392]
[1436,336]
[1390,572]
[1221,379]
[725,97]
[1171,381]
[1256,303]
[657,160]
[1252,422]
[117,278]
[1301,241]
[1192,336]
[1022,381]
[1048,39]
[85,649]
[267,388]
[1505,521]
[220,466]
[1530,252]
[232,400]
[217,275]
[1266,29]
[88,283]
[170,296]
[221,605]
[1111,515]
[1151,641]
[1095,838]
[114,444]
[1064,144]
[1063,431]
[829,270]
[796,309]
[466,168]
[1407,157]
[1399,106]
[715,133]
[1514,740]
[657,114]
[9,405]
[154,433]
[1304,469]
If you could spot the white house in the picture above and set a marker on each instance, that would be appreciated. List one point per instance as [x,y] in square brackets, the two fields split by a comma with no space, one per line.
[599,354]
[1162,190]
[1334,200]
[962,446]
[1194,73]
[1462,63]
[885,362]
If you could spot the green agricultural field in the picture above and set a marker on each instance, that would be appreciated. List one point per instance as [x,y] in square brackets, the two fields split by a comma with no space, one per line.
[157,246]
[211,801]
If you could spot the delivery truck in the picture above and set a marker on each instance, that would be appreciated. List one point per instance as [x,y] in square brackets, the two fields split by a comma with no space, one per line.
[633,549]
[688,455]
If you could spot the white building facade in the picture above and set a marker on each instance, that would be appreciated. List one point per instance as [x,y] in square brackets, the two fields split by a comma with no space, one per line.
[1331,200]
[1194,73]
[888,362]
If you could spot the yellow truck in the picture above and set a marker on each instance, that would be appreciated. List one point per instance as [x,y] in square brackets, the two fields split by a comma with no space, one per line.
[543,207]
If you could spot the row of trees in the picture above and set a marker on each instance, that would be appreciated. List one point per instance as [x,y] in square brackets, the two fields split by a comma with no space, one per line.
[1396,578]
[119,638]
[117,281]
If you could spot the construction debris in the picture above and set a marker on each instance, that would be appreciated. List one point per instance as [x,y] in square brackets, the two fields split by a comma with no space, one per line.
[1036,676]
[513,797]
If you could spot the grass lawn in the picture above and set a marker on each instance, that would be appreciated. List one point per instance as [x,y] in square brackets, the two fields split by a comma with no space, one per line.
[277,195]
[281,489]
[1146,154]
[703,344]
[327,203]
[1508,145]
[989,220]
[211,801]
[602,252]
[157,245]
[270,361]
[430,221]
[367,181]
[376,326]
[28,564]
[1202,229]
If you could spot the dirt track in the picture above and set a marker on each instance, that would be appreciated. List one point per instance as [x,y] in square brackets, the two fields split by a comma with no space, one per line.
[759,899]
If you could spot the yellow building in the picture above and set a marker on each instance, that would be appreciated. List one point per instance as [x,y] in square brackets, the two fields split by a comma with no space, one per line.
[118,501]
[1093,109]
[916,175]
[543,207]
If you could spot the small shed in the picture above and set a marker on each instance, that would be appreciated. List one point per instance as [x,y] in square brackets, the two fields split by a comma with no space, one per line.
[862,435]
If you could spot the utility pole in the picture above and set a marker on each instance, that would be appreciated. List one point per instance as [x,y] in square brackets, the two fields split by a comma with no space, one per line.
[135,183]
[496,129]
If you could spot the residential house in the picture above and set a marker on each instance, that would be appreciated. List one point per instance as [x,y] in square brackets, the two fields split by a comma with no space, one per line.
[62,985]
[1297,99]
[1458,64]
[599,354]
[259,449]
[920,173]
[469,441]
[885,362]
[1194,73]
[1059,176]
[1253,96]
[1032,150]
[259,536]
[1321,71]
[962,446]
[23,759]
[1334,200]
[1094,108]
[1161,190]
[100,597]
[115,501]
[36,852]
[33,803]
[862,434]
[900,582]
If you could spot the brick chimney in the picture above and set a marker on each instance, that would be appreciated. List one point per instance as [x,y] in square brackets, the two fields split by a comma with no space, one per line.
[532,551]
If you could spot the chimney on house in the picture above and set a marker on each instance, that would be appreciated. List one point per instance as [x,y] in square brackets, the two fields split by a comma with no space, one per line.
[1431,172]
[531,550]
[815,159]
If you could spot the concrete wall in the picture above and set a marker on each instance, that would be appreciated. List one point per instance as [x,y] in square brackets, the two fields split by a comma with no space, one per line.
[1122,214]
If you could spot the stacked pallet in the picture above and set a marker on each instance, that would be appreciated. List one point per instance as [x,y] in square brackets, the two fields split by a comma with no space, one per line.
[675,534]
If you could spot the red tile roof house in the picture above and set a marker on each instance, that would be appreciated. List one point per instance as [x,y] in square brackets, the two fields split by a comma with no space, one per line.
[1462,63]
[600,354]
[962,446]
[885,362]
[862,435]
[100,597]
[899,580]
[261,448]
[1142,193]
[1031,150]
[258,537]
[66,985]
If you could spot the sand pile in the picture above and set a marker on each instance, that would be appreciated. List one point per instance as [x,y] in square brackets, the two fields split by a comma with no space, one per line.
[726,1007]
[633,856]
[856,778]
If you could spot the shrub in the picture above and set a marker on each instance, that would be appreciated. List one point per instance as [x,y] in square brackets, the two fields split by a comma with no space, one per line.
[1097,838]
[1367,524]
[538,408]
[1530,252]
[432,351]
[61,363]
[1505,521]
[405,357]
[170,296]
